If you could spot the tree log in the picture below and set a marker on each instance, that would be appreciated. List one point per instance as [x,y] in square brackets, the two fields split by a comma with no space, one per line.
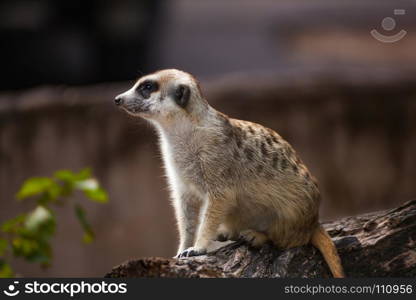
[378,244]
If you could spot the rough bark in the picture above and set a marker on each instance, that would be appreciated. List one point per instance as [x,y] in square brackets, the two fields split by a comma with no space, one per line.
[379,244]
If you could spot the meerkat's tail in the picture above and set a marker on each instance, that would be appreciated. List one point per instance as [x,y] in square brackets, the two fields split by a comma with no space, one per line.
[322,241]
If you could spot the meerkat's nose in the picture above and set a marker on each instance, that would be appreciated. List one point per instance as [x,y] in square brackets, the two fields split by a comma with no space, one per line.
[118,100]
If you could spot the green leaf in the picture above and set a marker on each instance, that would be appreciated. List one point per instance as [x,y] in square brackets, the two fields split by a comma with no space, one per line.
[24,247]
[42,256]
[69,176]
[84,174]
[55,191]
[3,247]
[92,190]
[64,175]
[30,233]
[32,249]
[13,225]
[5,270]
[88,236]
[97,195]
[35,186]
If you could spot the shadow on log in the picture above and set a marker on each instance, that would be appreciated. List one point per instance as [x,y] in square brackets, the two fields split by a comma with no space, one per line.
[379,244]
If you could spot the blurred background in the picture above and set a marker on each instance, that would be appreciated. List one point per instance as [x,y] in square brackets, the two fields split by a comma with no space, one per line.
[311,70]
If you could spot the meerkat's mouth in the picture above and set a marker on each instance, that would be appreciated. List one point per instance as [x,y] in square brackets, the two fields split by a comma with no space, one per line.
[135,110]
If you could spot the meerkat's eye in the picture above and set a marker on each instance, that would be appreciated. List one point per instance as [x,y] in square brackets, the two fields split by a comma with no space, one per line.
[146,88]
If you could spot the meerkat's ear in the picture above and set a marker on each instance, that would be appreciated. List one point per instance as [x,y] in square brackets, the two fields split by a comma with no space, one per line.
[181,95]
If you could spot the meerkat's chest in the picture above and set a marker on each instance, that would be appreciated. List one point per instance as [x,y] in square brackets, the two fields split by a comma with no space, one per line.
[183,163]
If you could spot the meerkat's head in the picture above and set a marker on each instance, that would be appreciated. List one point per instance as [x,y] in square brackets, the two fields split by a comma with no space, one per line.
[165,95]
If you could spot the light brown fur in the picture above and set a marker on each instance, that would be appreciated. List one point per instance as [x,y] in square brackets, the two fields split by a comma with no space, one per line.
[231,178]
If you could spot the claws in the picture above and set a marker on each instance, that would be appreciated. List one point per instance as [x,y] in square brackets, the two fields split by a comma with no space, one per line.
[254,238]
[227,235]
[222,238]
[191,252]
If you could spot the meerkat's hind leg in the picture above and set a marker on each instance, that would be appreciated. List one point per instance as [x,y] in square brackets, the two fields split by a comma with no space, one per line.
[254,238]
[225,233]
[222,237]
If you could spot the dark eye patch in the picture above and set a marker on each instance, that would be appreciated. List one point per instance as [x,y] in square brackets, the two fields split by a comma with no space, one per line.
[146,88]
[181,95]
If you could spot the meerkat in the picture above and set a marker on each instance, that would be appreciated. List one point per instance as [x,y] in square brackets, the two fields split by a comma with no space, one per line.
[229,179]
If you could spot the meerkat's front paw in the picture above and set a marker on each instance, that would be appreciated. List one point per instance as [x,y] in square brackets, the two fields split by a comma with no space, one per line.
[254,238]
[191,251]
